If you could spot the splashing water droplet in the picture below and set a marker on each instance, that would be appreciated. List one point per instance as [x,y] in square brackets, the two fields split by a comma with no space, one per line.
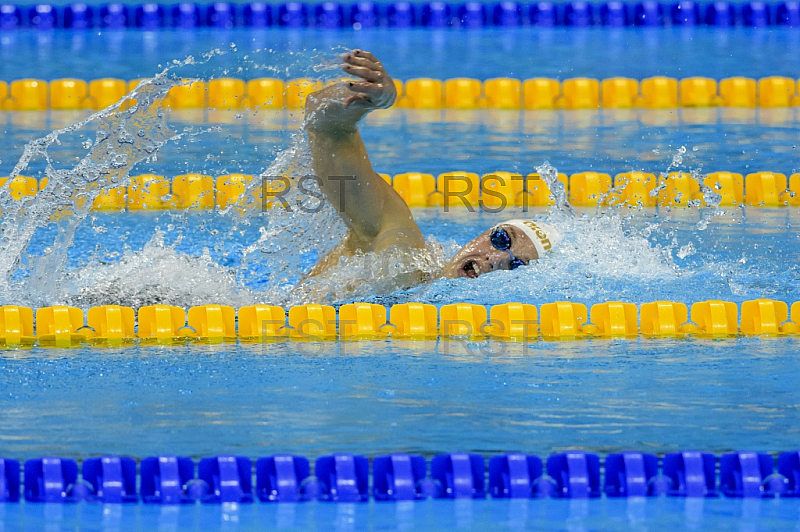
[549,174]
[119,161]
[686,251]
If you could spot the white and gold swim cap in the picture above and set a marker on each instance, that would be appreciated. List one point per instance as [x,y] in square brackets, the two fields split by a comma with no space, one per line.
[543,236]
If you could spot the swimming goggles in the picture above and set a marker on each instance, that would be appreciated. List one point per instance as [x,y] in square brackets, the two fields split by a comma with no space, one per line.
[501,240]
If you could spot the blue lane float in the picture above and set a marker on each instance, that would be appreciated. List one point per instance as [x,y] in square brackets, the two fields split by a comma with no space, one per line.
[691,474]
[401,15]
[685,13]
[543,14]
[9,480]
[615,14]
[78,16]
[166,480]
[436,15]
[632,475]
[747,475]
[185,16]
[257,15]
[400,477]
[115,16]
[576,475]
[648,14]
[43,17]
[346,478]
[226,479]
[366,15]
[221,15]
[757,14]
[283,478]
[514,476]
[788,14]
[721,14]
[112,479]
[472,15]
[578,14]
[789,469]
[329,15]
[293,15]
[10,17]
[343,478]
[458,476]
[149,16]
[507,14]
[52,479]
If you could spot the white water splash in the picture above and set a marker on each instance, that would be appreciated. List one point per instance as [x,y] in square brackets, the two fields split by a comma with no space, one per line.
[156,274]
[123,138]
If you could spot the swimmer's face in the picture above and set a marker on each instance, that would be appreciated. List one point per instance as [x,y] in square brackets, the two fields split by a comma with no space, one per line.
[479,256]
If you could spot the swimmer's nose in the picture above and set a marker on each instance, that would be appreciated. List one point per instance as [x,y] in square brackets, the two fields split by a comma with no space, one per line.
[498,259]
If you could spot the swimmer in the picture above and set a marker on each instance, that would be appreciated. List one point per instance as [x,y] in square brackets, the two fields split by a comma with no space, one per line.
[375,214]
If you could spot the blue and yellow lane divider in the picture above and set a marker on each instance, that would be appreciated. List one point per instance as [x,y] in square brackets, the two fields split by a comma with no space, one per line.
[423,93]
[493,191]
[114,325]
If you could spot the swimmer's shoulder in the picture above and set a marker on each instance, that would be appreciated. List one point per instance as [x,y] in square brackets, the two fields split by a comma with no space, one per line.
[402,237]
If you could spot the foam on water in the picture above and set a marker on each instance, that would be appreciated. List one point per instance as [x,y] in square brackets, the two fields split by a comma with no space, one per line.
[157,274]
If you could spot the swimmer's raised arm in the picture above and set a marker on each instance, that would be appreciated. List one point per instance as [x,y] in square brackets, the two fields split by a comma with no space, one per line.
[376,215]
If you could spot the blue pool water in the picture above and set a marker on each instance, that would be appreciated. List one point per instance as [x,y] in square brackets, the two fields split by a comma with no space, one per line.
[377,397]
[523,52]
[555,515]
[611,141]
[380,397]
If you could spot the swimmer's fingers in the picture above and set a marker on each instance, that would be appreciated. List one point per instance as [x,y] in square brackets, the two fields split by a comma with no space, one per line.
[378,95]
[360,58]
[364,62]
[363,72]
[375,88]
[367,55]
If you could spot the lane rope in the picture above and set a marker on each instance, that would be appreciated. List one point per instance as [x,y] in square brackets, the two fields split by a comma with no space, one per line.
[115,325]
[345,478]
[367,15]
[492,192]
[423,93]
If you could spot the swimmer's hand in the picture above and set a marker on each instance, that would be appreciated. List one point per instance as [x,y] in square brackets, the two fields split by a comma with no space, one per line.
[376,89]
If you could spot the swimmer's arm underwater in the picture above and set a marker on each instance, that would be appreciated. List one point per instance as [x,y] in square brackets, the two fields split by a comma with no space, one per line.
[376,215]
